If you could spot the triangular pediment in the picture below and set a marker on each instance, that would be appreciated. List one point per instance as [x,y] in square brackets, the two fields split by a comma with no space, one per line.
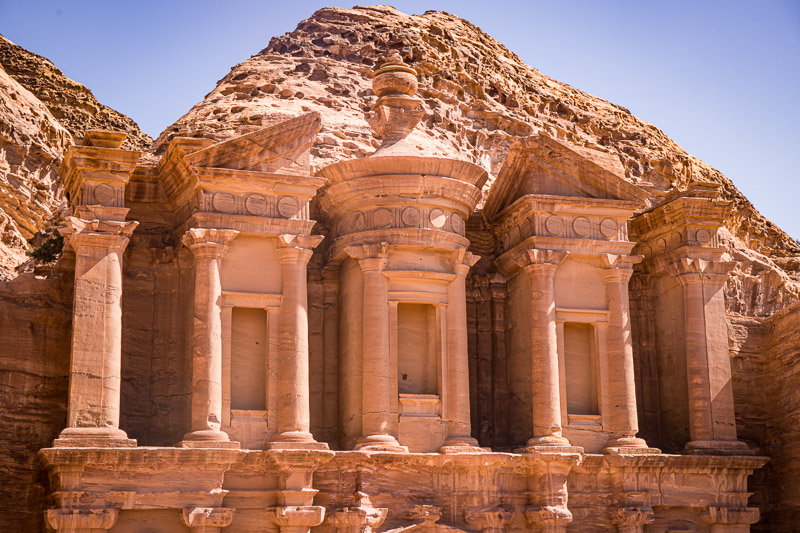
[540,165]
[281,148]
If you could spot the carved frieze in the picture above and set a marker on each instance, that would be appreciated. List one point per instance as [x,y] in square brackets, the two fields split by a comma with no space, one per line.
[390,217]
[253,204]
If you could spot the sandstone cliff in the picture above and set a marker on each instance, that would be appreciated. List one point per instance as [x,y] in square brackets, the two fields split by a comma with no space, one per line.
[42,112]
[479,97]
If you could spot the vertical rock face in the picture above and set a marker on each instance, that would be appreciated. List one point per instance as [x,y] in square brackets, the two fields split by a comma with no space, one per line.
[31,144]
[41,113]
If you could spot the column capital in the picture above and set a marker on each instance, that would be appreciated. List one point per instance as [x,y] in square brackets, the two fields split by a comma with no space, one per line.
[371,257]
[207,517]
[297,248]
[690,269]
[69,520]
[538,262]
[733,515]
[489,519]
[204,241]
[548,516]
[633,516]
[105,234]
[363,517]
[463,261]
[296,517]
[622,265]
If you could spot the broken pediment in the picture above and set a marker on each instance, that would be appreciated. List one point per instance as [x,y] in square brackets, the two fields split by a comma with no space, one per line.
[281,148]
[540,165]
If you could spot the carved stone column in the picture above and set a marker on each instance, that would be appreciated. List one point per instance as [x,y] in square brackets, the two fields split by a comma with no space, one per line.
[207,519]
[294,419]
[81,520]
[548,496]
[732,519]
[95,364]
[633,519]
[712,422]
[459,436]
[378,368]
[540,266]
[489,519]
[623,417]
[295,512]
[208,247]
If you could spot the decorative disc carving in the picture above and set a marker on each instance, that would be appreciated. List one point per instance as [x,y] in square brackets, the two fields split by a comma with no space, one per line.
[609,228]
[357,221]
[703,236]
[104,194]
[410,216]
[382,218]
[437,218]
[287,206]
[661,245]
[457,223]
[582,226]
[224,202]
[554,225]
[256,204]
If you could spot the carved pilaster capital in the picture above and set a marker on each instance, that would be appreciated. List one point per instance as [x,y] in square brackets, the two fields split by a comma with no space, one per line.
[463,261]
[548,516]
[205,242]
[207,517]
[109,235]
[618,267]
[293,518]
[537,262]
[692,270]
[297,248]
[372,257]
[362,518]
[733,515]
[633,516]
[74,520]
[489,519]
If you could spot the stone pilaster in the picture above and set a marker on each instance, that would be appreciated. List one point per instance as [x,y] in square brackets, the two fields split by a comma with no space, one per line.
[378,368]
[489,519]
[547,509]
[208,247]
[712,422]
[294,419]
[623,417]
[540,267]
[207,519]
[295,512]
[81,520]
[95,364]
[548,519]
[459,438]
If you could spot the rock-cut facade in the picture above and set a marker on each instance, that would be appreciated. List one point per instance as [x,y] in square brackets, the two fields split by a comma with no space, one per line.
[327,357]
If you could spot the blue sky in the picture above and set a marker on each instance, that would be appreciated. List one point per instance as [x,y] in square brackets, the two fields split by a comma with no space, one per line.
[721,77]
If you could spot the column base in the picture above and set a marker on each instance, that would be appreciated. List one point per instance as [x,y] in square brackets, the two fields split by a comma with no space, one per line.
[630,446]
[295,440]
[462,444]
[207,438]
[549,444]
[103,437]
[717,447]
[379,443]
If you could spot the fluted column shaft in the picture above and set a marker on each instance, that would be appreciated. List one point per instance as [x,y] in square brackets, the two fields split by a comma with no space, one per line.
[208,248]
[458,423]
[294,417]
[96,362]
[623,418]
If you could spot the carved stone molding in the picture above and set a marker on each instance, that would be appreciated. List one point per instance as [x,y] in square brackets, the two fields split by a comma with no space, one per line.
[80,520]
[296,518]
[548,519]
[206,519]
[361,518]
[490,519]
[633,519]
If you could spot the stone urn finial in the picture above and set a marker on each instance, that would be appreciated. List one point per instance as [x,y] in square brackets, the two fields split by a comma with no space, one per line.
[397,111]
